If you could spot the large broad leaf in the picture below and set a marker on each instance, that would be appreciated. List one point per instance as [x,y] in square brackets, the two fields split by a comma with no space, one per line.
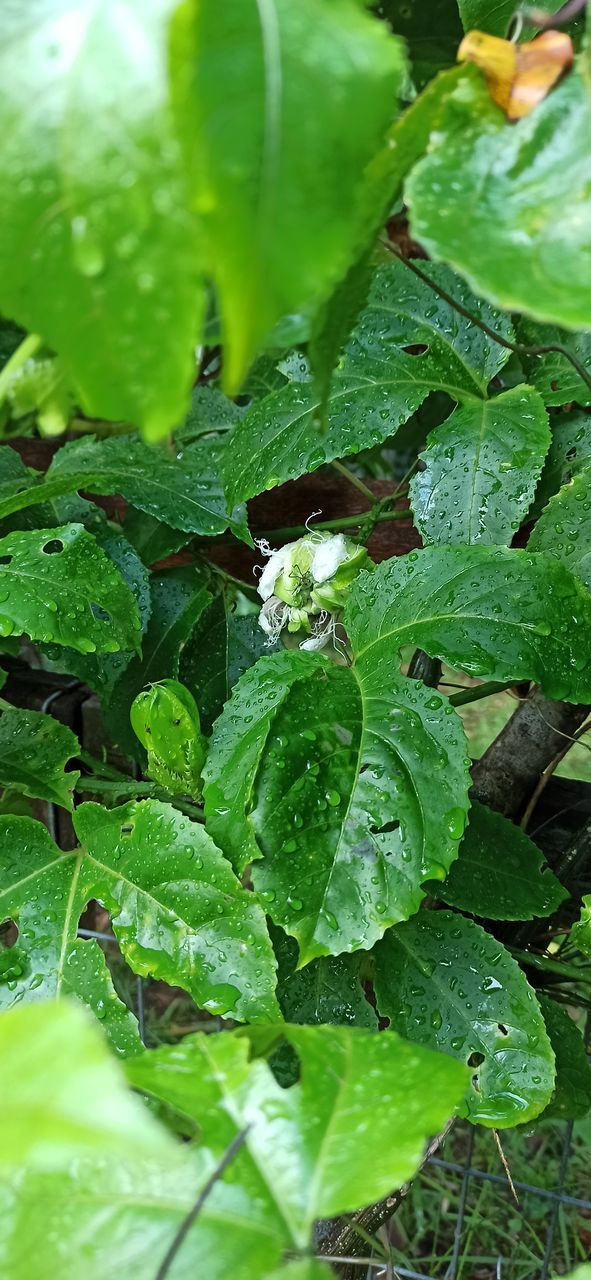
[489,611]
[303,1147]
[178,911]
[564,527]
[63,1095]
[34,751]
[58,585]
[178,598]
[481,468]
[551,373]
[500,873]
[496,219]
[571,1099]
[221,647]
[183,489]
[352,785]
[312,81]
[445,983]
[379,381]
[98,249]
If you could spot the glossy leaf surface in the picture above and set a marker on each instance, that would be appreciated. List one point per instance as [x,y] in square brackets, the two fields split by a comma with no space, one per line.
[551,373]
[563,530]
[407,342]
[328,774]
[445,983]
[481,468]
[571,1099]
[489,611]
[581,930]
[500,873]
[221,647]
[34,750]
[328,990]
[58,585]
[484,200]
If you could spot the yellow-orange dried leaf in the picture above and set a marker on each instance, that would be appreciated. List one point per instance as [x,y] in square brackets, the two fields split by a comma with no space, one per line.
[518,75]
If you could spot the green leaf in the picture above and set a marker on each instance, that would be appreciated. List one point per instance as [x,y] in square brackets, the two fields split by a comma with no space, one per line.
[490,611]
[445,983]
[432,31]
[303,1147]
[99,249]
[334,321]
[563,530]
[328,990]
[221,647]
[495,18]
[99,670]
[329,774]
[58,585]
[377,385]
[53,1065]
[210,413]
[184,489]
[482,466]
[34,751]
[496,221]
[153,540]
[571,1099]
[581,931]
[569,452]
[551,373]
[500,873]
[303,1269]
[178,597]
[313,81]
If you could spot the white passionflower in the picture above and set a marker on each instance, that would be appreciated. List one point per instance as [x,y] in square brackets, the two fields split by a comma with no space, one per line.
[305,584]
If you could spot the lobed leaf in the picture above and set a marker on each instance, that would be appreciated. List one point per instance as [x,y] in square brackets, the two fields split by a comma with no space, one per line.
[445,983]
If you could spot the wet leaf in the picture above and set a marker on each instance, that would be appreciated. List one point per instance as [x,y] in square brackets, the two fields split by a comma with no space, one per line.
[445,983]
[484,200]
[489,611]
[377,385]
[58,585]
[184,489]
[220,648]
[581,930]
[34,751]
[349,783]
[563,530]
[500,873]
[110,274]
[569,452]
[551,373]
[571,1099]
[328,990]
[482,466]
[304,1146]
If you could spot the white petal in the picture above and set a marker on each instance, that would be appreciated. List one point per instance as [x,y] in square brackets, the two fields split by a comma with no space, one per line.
[274,566]
[328,556]
[272,616]
[316,642]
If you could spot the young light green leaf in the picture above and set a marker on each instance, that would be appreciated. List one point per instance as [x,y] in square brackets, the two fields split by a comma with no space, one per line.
[178,911]
[102,271]
[489,611]
[481,468]
[484,199]
[53,1064]
[407,342]
[58,585]
[500,873]
[178,597]
[445,983]
[571,1099]
[551,373]
[303,1145]
[220,648]
[581,930]
[184,489]
[275,238]
[350,783]
[563,530]
[34,751]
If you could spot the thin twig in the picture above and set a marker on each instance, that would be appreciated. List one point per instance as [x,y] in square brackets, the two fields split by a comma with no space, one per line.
[505,1165]
[540,18]
[520,348]
[193,1213]
[544,778]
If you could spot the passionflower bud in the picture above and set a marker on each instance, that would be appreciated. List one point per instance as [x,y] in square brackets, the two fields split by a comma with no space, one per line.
[305,585]
[165,718]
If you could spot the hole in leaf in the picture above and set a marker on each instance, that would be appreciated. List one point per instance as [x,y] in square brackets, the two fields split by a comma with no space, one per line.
[8,932]
[127,828]
[502,1028]
[99,613]
[387,827]
[416,349]
[475,1083]
[476,1059]
[554,384]
[5,559]
[571,453]
[53,547]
